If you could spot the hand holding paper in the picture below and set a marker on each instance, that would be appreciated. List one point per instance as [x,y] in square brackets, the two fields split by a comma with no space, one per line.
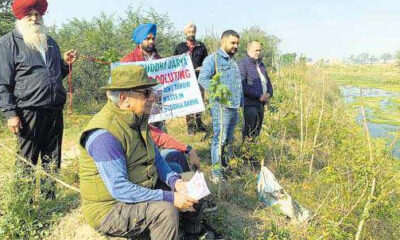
[197,187]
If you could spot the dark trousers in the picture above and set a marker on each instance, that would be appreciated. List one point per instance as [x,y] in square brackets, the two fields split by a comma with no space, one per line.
[159,219]
[253,119]
[41,134]
[193,121]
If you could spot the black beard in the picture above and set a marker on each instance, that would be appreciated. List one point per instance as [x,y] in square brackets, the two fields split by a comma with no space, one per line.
[148,49]
[232,52]
[190,38]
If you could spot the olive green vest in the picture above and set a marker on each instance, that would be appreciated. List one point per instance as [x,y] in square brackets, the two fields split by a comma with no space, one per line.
[131,131]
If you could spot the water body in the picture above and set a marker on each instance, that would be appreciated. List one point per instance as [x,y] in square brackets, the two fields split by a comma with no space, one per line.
[377,130]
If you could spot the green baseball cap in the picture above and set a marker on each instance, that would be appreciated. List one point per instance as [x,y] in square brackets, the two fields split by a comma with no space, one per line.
[127,77]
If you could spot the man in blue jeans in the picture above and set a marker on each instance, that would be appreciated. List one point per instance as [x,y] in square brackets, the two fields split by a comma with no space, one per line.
[222,62]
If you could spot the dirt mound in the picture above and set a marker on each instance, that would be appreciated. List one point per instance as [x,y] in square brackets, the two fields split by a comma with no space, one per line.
[73,227]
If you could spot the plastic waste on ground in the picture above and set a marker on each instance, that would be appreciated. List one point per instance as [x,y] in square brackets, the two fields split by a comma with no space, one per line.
[273,194]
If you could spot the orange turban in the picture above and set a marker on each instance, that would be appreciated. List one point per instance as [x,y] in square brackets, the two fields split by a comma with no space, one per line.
[21,8]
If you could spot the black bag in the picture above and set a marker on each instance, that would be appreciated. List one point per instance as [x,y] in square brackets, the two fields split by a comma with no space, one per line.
[190,222]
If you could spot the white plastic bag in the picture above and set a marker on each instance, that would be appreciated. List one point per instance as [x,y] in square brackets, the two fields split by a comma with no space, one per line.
[273,194]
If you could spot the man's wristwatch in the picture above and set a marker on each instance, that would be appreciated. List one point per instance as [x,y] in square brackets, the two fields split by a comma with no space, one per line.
[188,149]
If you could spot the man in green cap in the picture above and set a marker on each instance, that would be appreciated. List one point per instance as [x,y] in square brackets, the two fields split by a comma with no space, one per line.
[120,169]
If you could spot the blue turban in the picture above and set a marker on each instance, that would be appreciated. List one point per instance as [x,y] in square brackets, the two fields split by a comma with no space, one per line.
[141,32]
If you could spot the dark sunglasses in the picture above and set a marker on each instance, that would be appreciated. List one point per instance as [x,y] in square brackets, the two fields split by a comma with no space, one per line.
[145,92]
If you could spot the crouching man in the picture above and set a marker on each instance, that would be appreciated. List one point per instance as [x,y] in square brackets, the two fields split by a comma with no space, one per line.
[121,172]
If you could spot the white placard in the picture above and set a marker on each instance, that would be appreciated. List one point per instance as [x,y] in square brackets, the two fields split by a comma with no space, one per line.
[179,90]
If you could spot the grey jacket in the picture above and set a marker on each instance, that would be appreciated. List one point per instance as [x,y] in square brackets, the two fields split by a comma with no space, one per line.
[26,81]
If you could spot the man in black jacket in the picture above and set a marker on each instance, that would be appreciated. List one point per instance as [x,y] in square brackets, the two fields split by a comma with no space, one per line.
[32,95]
[198,52]
[257,90]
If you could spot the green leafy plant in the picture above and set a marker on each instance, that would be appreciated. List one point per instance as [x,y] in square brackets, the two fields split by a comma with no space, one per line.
[220,93]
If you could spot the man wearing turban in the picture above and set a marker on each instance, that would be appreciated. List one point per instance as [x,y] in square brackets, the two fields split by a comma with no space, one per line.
[144,36]
[172,150]
[32,95]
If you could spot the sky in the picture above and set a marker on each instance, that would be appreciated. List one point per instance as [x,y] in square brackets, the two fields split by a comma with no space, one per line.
[316,28]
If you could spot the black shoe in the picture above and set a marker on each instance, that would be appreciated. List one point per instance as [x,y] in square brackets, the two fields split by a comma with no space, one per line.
[227,171]
[207,136]
[209,232]
[190,131]
[209,206]
[200,127]
[189,237]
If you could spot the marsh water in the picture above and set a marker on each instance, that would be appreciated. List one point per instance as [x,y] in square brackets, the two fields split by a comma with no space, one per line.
[383,100]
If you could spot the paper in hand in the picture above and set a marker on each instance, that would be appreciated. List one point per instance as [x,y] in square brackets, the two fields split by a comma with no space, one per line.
[197,186]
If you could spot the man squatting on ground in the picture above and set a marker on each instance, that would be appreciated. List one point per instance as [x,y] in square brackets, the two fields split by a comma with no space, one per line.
[121,170]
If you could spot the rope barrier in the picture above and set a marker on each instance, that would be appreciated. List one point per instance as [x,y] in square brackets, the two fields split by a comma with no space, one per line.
[70,85]
[95,60]
[40,170]
[70,95]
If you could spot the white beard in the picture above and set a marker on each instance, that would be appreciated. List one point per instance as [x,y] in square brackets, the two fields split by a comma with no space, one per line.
[34,35]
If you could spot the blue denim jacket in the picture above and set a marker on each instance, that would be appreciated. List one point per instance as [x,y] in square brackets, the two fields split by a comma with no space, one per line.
[230,76]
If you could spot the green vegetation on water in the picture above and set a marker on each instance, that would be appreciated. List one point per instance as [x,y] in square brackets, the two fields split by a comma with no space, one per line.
[382,107]
[383,76]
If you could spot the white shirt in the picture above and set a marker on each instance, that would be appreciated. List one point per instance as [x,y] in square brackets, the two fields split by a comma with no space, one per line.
[263,79]
[149,58]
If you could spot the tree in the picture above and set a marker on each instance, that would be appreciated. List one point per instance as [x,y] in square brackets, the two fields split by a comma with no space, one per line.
[386,57]
[212,41]
[6,17]
[107,38]
[302,59]
[363,58]
[373,59]
[352,59]
[269,44]
[287,59]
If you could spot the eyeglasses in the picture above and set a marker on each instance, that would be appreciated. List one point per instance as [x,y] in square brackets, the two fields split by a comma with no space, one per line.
[146,92]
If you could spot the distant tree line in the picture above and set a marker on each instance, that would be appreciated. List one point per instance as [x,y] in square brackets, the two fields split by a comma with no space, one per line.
[366,58]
